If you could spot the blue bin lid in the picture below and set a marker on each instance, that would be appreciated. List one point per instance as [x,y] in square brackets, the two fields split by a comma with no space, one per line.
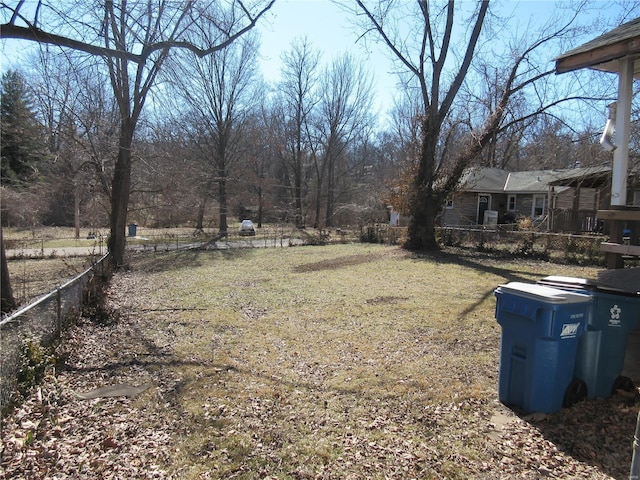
[542,293]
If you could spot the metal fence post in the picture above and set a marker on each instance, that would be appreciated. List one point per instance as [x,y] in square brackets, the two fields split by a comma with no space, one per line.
[59,311]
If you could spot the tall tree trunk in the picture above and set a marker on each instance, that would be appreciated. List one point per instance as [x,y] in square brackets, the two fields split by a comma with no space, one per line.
[298,192]
[200,218]
[120,191]
[260,206]
[202,205]
[425,204]
[330,191]
[76,210]
[222,197]
[316,223]
[319,164]
[319,184]
[421,234]
[8,302]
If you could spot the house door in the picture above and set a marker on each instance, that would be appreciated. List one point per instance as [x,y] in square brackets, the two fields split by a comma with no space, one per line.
[484,204]
[537,208]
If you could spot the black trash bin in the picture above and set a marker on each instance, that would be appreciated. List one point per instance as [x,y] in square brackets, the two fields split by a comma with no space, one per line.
[612,316]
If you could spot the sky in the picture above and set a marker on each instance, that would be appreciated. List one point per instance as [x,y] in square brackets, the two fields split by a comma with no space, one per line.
[329,30]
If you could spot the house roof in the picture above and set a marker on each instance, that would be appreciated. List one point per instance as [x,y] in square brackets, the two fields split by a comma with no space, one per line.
[587,177]
[603,52]
[496,180]
[487,180]
[534,181]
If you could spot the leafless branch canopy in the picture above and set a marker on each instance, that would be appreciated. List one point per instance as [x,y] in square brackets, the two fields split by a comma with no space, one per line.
[26,22]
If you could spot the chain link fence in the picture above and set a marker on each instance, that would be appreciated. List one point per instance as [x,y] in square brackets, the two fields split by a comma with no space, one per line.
[559,247]
[275,236]
[40,323]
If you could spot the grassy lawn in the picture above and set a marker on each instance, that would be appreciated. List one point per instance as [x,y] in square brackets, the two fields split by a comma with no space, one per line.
[344,361]
[331,356]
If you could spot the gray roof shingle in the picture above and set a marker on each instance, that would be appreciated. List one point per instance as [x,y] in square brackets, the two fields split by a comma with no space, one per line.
[602,52]
[496,180]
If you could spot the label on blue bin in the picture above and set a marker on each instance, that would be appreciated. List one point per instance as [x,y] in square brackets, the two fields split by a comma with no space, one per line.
[614,320]
[569,330]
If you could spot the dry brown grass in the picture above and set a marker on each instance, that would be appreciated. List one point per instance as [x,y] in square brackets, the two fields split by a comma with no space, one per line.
[345,361]
[31,278]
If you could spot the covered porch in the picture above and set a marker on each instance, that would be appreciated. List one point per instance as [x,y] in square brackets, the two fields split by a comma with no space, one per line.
[617,51]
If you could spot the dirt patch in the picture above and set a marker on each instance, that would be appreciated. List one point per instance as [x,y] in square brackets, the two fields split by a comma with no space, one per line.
[334,263]
[385,299]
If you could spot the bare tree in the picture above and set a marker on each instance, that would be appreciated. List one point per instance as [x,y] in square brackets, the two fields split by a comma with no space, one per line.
[134,39]
[427,50]
[299,97]
[344,116]
[533,118]
[81,119]
[260,164]
[219,91]
[482,93]
[427,68]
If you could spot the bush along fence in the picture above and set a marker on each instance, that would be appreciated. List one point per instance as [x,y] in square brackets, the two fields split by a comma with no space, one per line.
[557,247]
[27,335]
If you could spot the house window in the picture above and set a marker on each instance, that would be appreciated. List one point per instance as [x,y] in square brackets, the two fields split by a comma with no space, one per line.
[449,202]
[511,203]
[636,198]
[538,206]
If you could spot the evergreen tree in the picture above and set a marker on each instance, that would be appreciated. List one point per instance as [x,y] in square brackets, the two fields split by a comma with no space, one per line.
[22,141]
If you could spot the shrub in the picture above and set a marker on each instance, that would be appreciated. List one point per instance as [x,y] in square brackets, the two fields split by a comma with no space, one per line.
[34,361]
[525,223]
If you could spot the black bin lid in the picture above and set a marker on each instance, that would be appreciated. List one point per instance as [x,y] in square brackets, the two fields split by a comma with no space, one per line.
[587,284]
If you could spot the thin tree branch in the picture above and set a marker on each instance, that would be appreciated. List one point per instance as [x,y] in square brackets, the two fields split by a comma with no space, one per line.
[462,72]
[33,33]
[378,27]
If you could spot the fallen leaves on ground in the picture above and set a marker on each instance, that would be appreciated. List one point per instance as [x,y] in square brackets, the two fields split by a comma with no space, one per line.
[284,413]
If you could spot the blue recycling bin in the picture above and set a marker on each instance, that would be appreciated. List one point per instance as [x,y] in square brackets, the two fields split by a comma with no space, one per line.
[541,326]
[613,315]
[133,229]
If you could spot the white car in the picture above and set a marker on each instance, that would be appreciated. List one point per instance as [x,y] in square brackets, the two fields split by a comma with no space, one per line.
[246,228]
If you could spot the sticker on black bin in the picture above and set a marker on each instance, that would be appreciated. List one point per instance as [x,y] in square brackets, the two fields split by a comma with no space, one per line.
[614,320]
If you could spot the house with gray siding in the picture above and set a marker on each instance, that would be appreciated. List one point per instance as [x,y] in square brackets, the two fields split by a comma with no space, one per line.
[558,200]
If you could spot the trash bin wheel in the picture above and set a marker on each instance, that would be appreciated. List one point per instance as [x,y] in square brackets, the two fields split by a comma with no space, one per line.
[623,383]
[576,392]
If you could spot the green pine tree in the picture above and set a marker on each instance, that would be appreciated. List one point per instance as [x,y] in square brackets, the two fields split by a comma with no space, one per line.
[22,141]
